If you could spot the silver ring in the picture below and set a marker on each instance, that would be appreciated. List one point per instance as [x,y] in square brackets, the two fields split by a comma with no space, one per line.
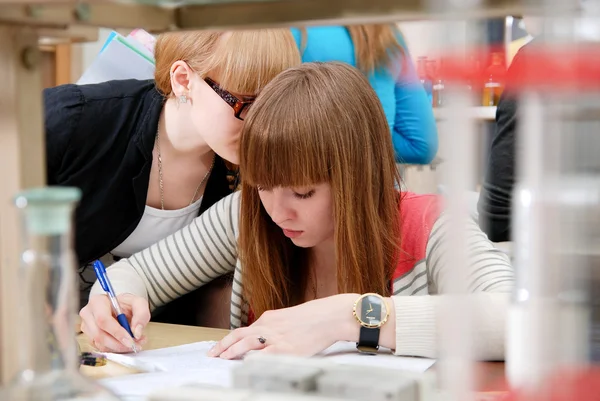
[262,340]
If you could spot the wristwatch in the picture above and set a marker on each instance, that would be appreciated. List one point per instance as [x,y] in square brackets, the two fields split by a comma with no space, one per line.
[371,312]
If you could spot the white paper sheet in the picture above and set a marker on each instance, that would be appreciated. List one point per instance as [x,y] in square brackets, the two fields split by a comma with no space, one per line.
[182,357]
[174,366]
[140,386]
[345,353]
[188,364]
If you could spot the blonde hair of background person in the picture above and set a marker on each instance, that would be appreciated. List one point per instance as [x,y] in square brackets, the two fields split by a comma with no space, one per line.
[380,52]
[149,156]
[375,45]
[317,222]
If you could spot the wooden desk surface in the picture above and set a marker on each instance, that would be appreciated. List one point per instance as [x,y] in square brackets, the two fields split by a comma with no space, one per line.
[159,335]
[489,376]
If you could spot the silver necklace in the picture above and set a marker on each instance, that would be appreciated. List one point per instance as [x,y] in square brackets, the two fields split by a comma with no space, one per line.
[160,174]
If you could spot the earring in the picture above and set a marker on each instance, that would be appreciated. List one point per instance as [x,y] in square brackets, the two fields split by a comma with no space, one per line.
[183,99]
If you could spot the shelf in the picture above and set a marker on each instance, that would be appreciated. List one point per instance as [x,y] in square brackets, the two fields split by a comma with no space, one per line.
[71,34]
[164,15]
[476,113]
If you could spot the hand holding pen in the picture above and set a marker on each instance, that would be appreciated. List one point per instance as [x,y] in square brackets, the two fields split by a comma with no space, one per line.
[107,287]
[98,321]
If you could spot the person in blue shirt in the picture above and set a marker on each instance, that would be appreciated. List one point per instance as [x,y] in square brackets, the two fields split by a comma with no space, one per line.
[380,53]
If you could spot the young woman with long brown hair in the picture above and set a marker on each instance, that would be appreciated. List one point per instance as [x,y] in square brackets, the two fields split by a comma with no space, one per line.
[380,52]
[317,223]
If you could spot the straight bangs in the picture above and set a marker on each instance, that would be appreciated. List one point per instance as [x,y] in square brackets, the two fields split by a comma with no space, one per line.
[318,123]
[244,62]
[282,146]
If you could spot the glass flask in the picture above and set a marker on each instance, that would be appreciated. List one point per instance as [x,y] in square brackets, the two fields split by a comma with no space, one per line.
[48,352]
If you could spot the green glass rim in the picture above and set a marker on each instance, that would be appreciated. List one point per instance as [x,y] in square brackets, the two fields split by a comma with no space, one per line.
[47,196]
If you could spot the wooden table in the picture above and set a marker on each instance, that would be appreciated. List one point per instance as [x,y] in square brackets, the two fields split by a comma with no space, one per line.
[489,376]
[159,335]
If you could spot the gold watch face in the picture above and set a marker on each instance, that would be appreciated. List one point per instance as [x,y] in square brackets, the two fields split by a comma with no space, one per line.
[370,310]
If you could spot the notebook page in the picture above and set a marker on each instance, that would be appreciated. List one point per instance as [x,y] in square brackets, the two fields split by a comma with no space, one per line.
[189,364]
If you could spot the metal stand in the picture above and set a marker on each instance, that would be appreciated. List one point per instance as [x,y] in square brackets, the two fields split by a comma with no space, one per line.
[22,157]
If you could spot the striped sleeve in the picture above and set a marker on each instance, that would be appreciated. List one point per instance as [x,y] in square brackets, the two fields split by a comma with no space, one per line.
[188,259]
[489,268]
[490,279]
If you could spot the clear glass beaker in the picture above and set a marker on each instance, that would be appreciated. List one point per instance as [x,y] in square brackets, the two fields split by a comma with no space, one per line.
[48,352]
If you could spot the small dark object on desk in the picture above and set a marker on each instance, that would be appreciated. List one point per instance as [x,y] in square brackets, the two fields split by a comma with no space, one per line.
[92,359]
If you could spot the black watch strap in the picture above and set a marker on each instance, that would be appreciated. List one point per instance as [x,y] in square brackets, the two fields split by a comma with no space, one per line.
[368,340]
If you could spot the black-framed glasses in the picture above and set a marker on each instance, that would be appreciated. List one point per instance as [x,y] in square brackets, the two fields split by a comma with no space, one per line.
[240,107]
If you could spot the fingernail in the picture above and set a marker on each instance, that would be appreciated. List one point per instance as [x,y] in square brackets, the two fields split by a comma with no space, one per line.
[128,342]
[212,352]
[138,331]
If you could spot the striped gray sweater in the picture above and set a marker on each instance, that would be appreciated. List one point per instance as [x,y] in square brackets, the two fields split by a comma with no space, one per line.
[207,249]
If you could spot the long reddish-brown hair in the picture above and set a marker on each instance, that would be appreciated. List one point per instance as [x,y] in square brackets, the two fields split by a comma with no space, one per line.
[375,45]
[318,123]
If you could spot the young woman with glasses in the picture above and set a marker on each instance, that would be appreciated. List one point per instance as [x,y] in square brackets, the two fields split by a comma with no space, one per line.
[150,156]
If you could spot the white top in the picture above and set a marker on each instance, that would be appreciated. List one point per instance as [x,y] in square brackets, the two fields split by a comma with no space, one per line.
[207,249]
[155,225]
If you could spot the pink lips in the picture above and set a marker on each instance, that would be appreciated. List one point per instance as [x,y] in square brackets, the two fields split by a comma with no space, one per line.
[292,233]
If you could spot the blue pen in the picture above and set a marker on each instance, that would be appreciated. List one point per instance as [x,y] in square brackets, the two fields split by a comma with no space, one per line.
[107,287]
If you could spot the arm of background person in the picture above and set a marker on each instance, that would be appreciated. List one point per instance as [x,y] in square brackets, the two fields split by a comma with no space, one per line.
[414,133]
[495,198]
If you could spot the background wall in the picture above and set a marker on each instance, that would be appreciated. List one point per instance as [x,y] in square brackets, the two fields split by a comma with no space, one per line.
[421,37]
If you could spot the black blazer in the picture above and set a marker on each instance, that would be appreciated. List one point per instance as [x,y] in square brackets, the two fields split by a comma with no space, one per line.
[99,138]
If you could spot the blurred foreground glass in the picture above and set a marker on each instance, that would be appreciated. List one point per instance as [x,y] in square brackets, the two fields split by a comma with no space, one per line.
[48,354]
[554,320]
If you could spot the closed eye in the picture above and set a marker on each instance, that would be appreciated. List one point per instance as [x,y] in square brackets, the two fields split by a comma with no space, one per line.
[305,195]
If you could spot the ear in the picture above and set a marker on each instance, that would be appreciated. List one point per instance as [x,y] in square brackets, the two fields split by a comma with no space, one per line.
[181,76]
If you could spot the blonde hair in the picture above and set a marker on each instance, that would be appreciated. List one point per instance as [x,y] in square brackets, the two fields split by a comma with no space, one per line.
[375,46]
[242,61]
[318,123]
